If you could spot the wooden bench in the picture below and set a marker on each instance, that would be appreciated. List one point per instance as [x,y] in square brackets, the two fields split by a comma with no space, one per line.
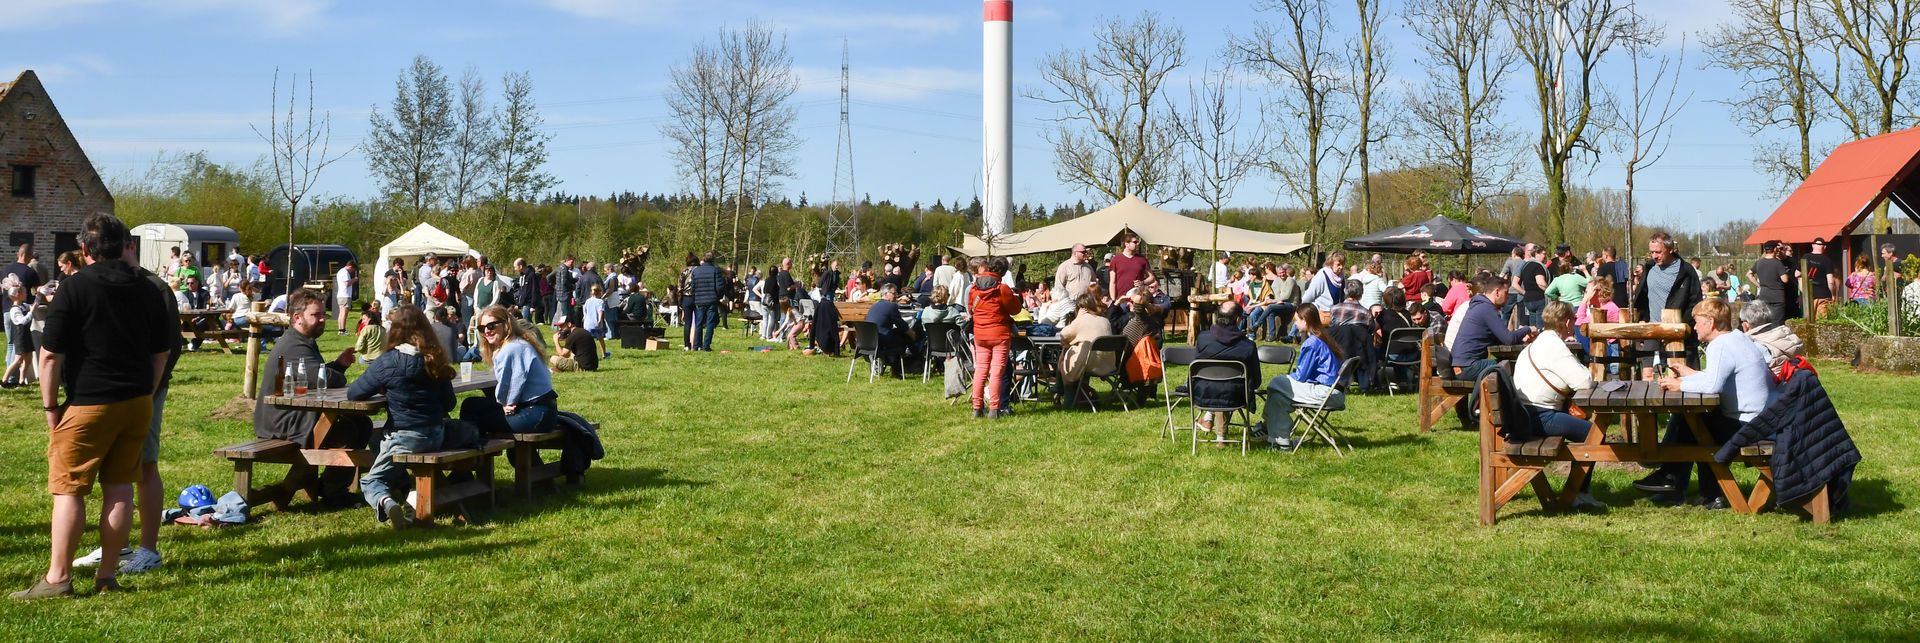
[1816,506]
[1438,393]
[245,454]
[429,476]
[525,451]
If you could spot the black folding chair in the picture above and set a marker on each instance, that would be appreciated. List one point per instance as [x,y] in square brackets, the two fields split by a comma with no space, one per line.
[866,343]
[1171,356]
[1222,372]
[939,345]
[1277,354]
[1113,372]
[1026,366]
[1404,342]
[1318,418]
[963,354]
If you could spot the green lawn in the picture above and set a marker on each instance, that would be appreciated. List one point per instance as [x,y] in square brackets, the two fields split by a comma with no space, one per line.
[758,495]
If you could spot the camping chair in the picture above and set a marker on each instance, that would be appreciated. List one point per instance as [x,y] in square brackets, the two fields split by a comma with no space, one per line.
[1172,356]
[1317,418]
[1405,341]
[1113,372]
[1224,371]
[866,343]
[751,321]
[939,345]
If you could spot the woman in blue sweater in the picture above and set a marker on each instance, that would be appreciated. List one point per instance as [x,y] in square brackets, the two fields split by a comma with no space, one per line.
[524,401]
[417,378]
[1311,381]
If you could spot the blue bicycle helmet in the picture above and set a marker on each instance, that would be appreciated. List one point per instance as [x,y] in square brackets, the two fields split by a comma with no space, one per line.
[196,496]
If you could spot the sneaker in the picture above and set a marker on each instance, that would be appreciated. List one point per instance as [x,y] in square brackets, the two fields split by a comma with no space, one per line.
[993,414]
[142,560]
[1715,504]
[1283,444]
[42,589]
[1659,483]
[979,413]
[92,559]
[608,355]
[398,512]
[1586,502]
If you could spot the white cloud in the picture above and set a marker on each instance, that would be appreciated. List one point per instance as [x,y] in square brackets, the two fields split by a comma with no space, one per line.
[889,84]
[33,14]
[62,70]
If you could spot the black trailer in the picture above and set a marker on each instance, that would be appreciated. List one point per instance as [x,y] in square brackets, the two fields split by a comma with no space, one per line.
[311,262]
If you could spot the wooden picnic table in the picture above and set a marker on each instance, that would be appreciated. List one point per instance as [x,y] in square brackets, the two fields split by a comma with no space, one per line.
[1643,401]
[215,321]
[333,404]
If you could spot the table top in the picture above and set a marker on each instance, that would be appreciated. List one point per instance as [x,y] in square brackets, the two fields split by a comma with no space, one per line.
[1639,395]
[335,399]
[203,312]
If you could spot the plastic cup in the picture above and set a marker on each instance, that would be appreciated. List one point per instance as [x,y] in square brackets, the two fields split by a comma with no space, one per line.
[466,371]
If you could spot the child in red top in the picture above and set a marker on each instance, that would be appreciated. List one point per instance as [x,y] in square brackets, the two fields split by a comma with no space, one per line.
[992,305]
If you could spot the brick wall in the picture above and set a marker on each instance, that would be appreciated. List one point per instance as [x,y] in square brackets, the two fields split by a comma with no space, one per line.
[66,186]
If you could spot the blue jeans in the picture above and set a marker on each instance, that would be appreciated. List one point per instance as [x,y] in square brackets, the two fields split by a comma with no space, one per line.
[1257,318]
[705,317]
[563,308]
[1530,312]
[1556,423]
[487,414]
[1277,315]
[385,476]
[1283,392]
[1720,427]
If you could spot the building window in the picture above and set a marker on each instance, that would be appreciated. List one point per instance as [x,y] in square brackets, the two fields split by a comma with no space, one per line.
[23,181]
[64,241]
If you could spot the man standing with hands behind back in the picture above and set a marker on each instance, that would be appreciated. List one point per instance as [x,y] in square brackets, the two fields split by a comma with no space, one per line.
[105,347]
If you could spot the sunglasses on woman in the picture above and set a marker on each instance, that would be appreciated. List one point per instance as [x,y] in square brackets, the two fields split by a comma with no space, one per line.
[492,325]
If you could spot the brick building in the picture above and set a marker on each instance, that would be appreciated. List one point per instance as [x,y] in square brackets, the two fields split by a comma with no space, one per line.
[47,185]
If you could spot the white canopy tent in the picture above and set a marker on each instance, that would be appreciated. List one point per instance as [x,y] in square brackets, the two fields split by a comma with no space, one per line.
[421,241]
[1155,226]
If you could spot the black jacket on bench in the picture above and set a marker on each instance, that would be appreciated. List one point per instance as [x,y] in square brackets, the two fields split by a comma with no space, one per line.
[1516,425]
[1811,446]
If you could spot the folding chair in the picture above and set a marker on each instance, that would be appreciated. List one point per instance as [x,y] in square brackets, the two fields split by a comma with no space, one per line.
[1113,372]
[1224,372]
[1317,418]
[1278,355]
[1403,341]
[963,353]
[1026,366]
[751,322]
[1172,356]
[866,344]
[938,345]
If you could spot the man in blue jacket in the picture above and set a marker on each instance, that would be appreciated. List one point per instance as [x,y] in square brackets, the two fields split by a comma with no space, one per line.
[707,287]
[1483,328]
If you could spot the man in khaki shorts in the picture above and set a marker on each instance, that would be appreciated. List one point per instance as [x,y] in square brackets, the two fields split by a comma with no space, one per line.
[106,346]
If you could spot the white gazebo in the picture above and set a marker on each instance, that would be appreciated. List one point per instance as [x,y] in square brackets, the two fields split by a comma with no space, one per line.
[1155,226]
[422,240]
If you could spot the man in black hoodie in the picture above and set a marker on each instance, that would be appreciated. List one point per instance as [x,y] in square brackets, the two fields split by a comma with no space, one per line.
[1666,283]
[1226,341]
[105,346]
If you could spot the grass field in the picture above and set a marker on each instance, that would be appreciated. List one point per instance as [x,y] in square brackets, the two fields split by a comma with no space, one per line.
[757,495]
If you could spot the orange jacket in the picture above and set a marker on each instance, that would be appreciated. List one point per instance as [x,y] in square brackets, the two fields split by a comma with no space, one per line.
[992,305]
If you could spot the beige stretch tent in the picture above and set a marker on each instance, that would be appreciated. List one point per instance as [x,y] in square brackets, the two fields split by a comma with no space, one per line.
[422,240]
[1155,226]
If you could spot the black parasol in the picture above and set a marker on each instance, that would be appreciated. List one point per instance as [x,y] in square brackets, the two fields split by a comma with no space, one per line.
[1438,235]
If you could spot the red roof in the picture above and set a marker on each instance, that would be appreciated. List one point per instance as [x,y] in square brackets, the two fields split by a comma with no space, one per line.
[1846,187]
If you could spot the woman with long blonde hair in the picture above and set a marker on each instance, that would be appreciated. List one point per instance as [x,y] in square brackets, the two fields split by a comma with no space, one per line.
[523,401]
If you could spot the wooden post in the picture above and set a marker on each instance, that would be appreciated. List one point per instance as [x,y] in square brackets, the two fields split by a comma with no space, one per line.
[1674,348]
[249,384]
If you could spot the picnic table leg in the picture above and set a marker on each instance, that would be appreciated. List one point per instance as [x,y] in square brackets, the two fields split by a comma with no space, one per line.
[243,482]
[522,457]
[1729,487]
[1576,476]
[1762,490]
[424,478]
[1820,507]
[484,473]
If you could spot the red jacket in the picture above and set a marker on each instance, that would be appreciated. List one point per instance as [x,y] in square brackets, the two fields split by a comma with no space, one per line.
[992,305]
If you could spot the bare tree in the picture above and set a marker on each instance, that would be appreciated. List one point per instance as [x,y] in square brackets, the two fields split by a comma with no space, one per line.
[474,141]
[1547,33]
[1466,59]
[757,114]
[1640,136]
[1370,70]
[1767,43]
[407,149]
[1111,137]
[1313,105]
[521,144]
[1219,155]
[1866,84]
[694,98]
[292,140]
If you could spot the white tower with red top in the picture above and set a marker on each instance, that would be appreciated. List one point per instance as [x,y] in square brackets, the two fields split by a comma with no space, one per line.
[997,119]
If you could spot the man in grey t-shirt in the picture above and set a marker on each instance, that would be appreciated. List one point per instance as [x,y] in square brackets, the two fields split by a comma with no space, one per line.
[1510,271]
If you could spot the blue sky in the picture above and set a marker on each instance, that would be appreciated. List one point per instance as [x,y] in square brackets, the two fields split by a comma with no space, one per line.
[135,78]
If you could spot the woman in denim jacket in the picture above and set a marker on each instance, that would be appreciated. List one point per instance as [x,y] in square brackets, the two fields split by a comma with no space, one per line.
[417,377]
